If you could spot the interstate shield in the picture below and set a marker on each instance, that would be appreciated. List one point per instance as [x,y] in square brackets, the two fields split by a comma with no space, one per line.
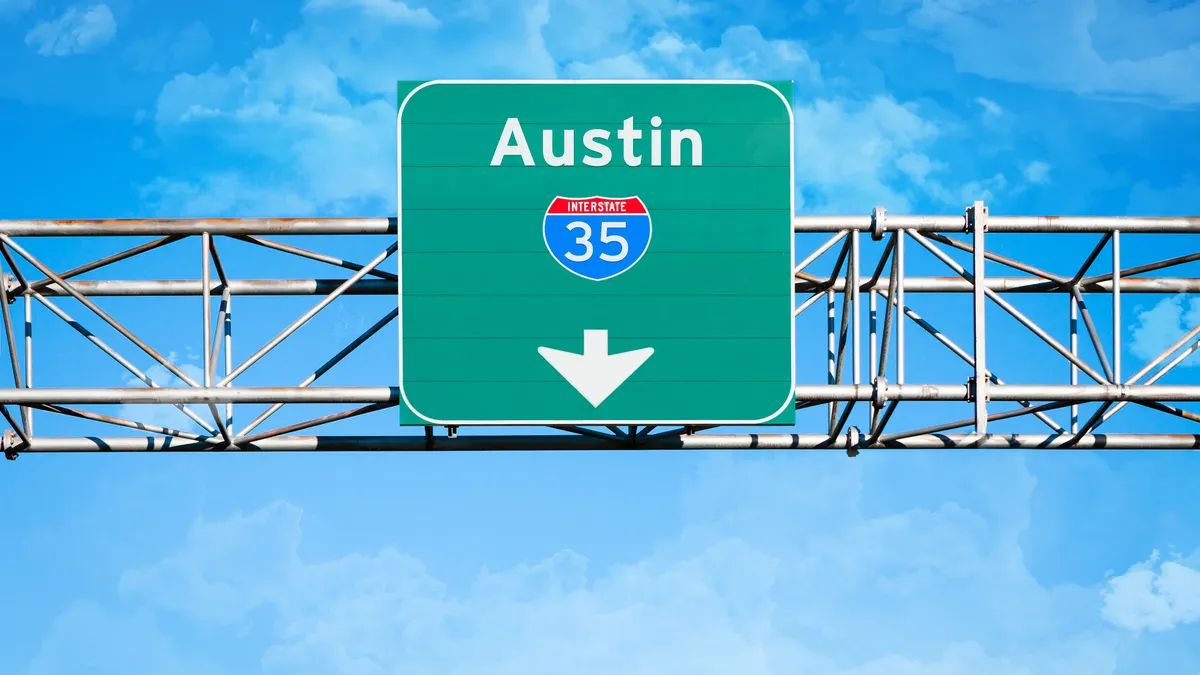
[597,238]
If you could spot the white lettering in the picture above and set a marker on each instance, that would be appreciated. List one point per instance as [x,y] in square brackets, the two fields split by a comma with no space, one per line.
[597,150]
[655,141]
[567,158]
[628,135]
[678,136]
[603,154]
[512,130]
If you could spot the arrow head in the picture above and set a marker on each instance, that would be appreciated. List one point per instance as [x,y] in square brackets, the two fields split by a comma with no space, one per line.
[596,374]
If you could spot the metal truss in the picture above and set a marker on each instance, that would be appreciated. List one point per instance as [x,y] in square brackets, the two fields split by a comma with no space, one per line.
[875,394]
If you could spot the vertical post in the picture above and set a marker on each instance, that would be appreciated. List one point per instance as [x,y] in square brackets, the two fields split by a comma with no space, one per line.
[978,219]
[206,312]
[228,349]
[1116,305]
[871,354]
[873,332]
[28,358]
[832,315]
[899,293]
[1074,352]
[854,305]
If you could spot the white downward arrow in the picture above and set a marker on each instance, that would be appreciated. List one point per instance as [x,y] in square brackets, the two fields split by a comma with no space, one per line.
[595,373]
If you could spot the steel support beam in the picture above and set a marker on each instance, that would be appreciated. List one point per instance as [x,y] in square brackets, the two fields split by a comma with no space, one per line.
[460,443]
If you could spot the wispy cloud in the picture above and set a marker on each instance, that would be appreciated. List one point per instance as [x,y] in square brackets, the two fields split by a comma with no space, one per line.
[1155,595]
[76,31]
[1157,328]
[165,415]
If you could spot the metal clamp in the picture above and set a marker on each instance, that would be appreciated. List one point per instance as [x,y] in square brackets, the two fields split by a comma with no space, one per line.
[10,441]
[878,223]
[977,216]
[854,439]
[879,397]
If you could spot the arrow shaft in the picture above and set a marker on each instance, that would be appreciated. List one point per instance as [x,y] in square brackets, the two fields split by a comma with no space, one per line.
[595,343]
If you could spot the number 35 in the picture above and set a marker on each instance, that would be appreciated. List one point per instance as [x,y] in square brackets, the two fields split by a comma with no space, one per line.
[585,238]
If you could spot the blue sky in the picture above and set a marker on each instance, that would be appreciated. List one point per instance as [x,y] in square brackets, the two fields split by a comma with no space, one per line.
[981,562]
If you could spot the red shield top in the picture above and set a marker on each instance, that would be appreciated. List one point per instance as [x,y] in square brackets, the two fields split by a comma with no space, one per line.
[596,206]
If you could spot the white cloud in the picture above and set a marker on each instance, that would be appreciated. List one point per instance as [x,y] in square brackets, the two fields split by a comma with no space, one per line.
[1138,49]
[317,111]
[1157,328]
[165,415]
[849,156]
[88,638]
[743,52]
[1146,598]
[780,568]
[75,32]
[391,11]
[1037,172]
[990,107]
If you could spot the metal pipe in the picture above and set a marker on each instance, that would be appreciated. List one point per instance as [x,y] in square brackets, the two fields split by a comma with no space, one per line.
[962,354]
[206,249]
[461,443]
[129,424]
[1061,224]
[872,334]
[193,287]
[1075,351]
[188,226]
[10,336]
[832,348]
[29,358]
[319,257]
[820,251]
[310,287]
[166,363]
[360,226]
[855,307]
[210,372]
[206,311]
[296,325]
[1148,267]
[16,427]
[1116,305]
[308,424]
[994,257]
[996,417]
[1013,311]
[325,367]
[1094,335]
[1161,372]
[197,395]
[901,282]
[228,330]
[112,353]
[979,222]
[812,299]
[1083,269]
[108,260]
[893,275]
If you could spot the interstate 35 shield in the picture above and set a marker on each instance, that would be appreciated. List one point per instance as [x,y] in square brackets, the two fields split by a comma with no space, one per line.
[597,238]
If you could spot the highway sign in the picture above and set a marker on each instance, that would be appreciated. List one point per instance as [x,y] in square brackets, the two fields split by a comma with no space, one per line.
[595,252]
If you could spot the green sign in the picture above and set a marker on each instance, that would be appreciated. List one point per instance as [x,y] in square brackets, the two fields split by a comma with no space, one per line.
[596,252]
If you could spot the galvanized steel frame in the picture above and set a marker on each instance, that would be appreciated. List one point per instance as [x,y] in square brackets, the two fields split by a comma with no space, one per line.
[844,333]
